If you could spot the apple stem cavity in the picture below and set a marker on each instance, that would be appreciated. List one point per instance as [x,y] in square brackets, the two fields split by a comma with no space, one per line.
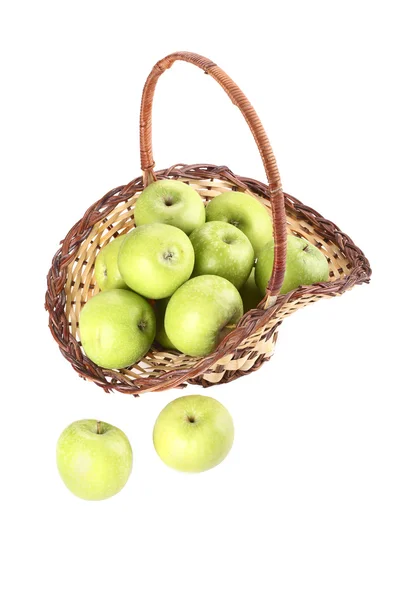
[191,419]
[142,325]
[98,431]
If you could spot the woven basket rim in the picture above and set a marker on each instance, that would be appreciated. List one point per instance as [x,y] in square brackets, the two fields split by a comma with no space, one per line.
[253,320]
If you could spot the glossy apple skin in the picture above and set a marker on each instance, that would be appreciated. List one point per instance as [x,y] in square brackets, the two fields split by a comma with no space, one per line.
[305,265]
[200,313]
[106,270]
[193,433]
[117,328]
[244,212]
[93,466]
[172,202]
[154,260]
[222,249]
[161,335]
[251,295]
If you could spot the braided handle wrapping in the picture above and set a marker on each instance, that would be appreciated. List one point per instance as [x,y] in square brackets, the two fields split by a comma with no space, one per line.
[256,128]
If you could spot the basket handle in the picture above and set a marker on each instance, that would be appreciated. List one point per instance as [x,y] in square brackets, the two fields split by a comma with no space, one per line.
[256,128]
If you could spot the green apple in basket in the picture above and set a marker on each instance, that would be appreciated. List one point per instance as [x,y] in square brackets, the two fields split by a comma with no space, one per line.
[305,265]
[94,459]
[172,202]
[193,433]
[154,260]
[246,213]
[201,313]
[106,269]
[222,249]
[117,328]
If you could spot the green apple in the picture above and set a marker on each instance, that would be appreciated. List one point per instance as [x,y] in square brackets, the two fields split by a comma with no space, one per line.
[250,293]
[305,265]
[222,249]
[193,433]
[161,336]
[246,213]
[94,459]
[172,202]
[117,328]
[156,259]
[201,313]
[106,269]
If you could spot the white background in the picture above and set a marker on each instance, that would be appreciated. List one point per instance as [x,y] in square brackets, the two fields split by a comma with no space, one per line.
[307,505]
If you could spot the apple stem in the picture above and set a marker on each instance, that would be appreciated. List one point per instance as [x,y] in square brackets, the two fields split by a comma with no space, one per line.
[99,427]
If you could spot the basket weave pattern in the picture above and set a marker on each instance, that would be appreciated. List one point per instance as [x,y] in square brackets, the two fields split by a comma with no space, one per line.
[71,277]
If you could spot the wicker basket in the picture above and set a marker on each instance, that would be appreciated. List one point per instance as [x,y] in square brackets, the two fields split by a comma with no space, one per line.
[71,277]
